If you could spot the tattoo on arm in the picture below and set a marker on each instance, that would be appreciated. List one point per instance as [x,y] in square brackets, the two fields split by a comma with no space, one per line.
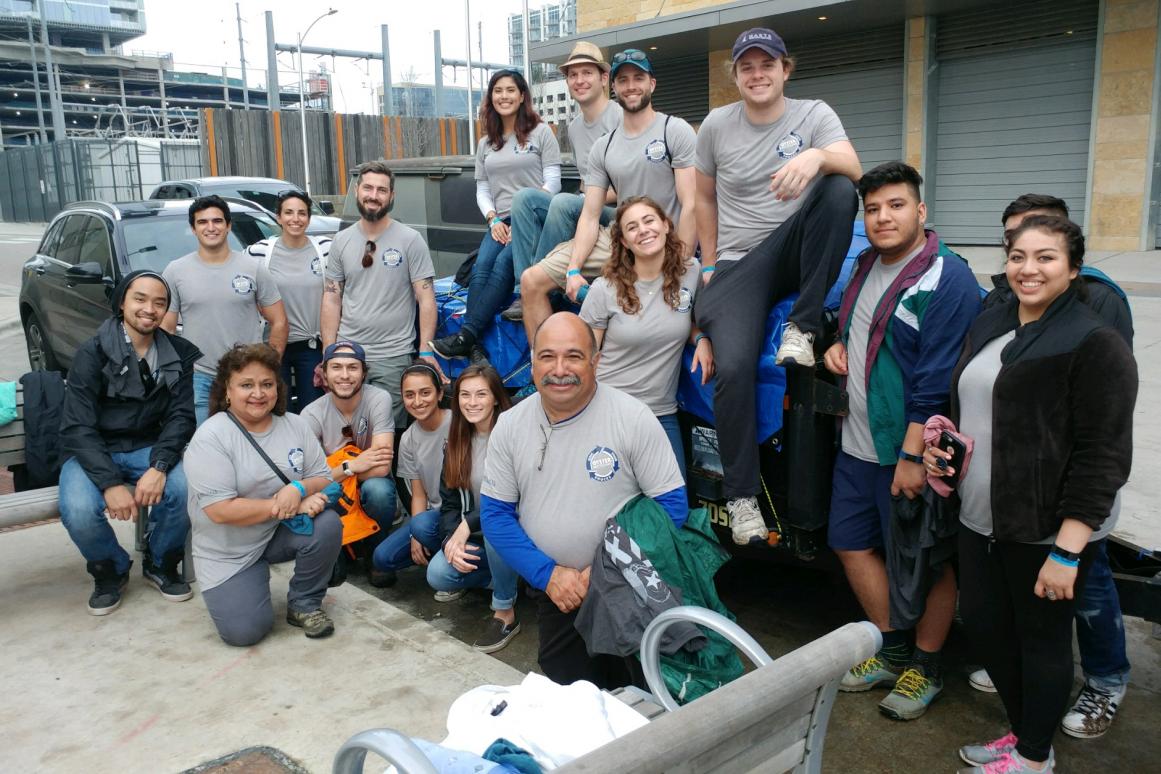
[333,286]
[425,284]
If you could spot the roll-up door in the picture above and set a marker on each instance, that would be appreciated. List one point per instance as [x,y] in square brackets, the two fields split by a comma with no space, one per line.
[682,87]
[1014,100]
[861,77]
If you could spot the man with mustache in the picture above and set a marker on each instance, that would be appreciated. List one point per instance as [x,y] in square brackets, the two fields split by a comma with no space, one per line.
[127,416]
[379,270]
[567,459]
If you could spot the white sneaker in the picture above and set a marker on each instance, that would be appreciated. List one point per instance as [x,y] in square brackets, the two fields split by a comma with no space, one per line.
[746,522]
[797,347]
[449,596]
[1093,713]
[981,682]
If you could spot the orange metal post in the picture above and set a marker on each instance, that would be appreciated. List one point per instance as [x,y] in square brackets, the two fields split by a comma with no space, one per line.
[340,154]
[279,162]
[212,142]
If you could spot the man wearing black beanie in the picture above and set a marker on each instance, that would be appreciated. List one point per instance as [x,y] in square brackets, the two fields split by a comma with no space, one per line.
[127,417]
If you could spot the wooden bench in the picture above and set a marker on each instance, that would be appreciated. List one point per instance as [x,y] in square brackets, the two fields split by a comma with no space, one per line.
[773,719]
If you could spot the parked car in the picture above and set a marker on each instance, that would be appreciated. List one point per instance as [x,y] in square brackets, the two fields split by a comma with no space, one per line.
[262,191]
[66,287]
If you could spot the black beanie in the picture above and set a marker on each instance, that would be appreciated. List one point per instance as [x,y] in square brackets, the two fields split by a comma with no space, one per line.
[128,279]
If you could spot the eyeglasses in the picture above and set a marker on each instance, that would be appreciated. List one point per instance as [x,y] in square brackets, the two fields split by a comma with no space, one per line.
[368,254]
[630,55]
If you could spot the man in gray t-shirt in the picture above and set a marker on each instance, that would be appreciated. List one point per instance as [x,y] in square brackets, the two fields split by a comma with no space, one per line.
[775,206]
[220,297]
[566,460]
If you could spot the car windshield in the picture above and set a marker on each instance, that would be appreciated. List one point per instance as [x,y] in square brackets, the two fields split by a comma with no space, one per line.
[265,196]
[151,243]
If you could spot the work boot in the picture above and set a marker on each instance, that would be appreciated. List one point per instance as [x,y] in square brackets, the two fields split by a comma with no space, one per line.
[1093,713]
[746,522]
[515,312]
[865,676]
[459,344]
[912,695]
[983,754]
[797,348]
[166,577]
[314,624]
[107,586]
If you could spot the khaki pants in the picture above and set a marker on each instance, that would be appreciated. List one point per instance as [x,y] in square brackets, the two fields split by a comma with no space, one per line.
[556,262]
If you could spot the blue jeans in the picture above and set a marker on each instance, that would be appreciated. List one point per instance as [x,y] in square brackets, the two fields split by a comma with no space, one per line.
[394,553]
[672,430]
[490,287]
[491,572]
[1100,630]
[82,507]
[201,389]
[300,359]
[377,496]
[541,221]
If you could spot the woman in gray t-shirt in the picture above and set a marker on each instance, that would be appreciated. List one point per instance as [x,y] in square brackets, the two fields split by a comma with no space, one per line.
[641,310]
[517,151]
[297,263]
[244,516]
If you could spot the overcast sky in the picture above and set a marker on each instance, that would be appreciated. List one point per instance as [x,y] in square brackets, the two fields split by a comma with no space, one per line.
[204,36]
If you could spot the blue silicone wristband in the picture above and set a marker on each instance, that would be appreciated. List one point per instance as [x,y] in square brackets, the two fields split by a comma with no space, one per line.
[298,485]
[707,269]
[697,339]
[572,273]
[427,354]
[1061,560]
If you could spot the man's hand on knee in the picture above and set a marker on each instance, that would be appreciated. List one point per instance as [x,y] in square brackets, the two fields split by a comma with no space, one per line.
[567,587]
[119,503]
[150,487]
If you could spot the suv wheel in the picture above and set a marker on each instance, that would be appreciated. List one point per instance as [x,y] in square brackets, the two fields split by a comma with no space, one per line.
[40,355]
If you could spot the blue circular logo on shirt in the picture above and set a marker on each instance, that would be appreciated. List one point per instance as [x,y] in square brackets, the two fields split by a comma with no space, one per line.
[364,426]
[684,300]
[392,257]
[296,459]
[789,145]
[316,266]
[602,463]
[243,284]
[527,147]
[655,151]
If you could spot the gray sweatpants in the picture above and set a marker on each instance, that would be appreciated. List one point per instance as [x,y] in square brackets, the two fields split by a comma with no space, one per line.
[386,373]
[241,607]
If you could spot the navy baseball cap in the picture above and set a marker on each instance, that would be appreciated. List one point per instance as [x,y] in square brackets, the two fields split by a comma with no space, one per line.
[356,353]
[761,38]
[630,56]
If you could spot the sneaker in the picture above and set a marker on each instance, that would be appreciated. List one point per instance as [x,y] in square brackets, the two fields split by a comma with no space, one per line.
[383,579]
[496,636]
[1010,763]
[314,623]
[1093,713]
[166,578]
[797,348]
[449,596]
[985,753]
[515,312]
[458,344]
[865,676]
[980,680]
[911,696]
[746,522]
[107,587]
[478,356]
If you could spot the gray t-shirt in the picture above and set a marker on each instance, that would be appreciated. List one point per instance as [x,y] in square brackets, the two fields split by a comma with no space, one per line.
[641,353]
[371,417]
[218,304]
[479,461]
[976,385]
[582,135]
[299,275]
[421,457]
[742,156]
[379,301]
[857,440]
[516,166]
[571,477]
[220,464]
[637,166]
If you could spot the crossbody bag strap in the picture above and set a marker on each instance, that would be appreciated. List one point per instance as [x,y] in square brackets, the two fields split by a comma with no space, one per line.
[259,449]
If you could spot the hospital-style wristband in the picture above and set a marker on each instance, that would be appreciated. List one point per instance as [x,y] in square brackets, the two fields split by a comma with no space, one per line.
[572,273]
[298,485]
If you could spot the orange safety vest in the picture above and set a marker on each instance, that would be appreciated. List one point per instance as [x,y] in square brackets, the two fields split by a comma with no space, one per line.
[356,523]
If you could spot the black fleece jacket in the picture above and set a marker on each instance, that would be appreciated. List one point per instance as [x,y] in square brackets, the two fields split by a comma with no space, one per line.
[1062,417]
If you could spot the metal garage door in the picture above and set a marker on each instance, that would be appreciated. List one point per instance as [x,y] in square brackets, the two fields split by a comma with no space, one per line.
[1015,94]
[861,77]
[682,87]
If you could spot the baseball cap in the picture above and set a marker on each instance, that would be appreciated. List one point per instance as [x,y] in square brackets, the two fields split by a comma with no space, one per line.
[631,56]
[585,53]
[357,353]
[761,38]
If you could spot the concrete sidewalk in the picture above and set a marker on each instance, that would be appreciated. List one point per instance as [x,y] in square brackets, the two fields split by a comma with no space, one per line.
[152,688]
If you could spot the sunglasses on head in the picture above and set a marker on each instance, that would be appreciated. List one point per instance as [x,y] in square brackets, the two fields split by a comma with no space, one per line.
[368,254]
[629,55]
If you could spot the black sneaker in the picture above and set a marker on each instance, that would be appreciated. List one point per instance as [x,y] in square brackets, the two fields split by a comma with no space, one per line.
[478,356]
[496,636]
[515,312]
[166,578]
[107,587]
[314,624]
[459,344]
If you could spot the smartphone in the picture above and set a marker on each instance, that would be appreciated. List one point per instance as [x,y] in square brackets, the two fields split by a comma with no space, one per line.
[956,448]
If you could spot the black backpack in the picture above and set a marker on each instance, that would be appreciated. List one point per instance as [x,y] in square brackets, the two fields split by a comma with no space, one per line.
[43,400]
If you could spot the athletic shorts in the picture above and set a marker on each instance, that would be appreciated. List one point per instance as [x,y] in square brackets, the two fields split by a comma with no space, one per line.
[555,264]
[860,504]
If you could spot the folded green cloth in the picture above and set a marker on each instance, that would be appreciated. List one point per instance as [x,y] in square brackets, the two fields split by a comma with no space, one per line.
[300,524]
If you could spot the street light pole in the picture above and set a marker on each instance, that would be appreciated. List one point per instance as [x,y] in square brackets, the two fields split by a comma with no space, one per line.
[302,99]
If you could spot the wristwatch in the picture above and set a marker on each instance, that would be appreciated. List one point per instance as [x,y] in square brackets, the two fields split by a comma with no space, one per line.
[1071,556]
[160,466]
[347,468]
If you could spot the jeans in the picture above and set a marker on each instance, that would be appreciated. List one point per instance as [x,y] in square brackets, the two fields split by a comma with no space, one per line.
[377,496]
[300,359]
[201,390]
[490,287]
[1100,630]
[82,507]
[491,572]
[541,221]
[672,430]
[394,553]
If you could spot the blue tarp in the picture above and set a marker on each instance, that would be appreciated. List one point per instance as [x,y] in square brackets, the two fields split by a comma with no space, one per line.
[505,340]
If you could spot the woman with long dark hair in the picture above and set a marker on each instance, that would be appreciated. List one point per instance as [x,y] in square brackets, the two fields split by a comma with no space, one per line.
[467,560]
[517,151]
[1046,391]
[640,309]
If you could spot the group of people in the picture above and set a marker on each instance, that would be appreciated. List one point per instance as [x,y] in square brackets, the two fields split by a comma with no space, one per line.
[677,238]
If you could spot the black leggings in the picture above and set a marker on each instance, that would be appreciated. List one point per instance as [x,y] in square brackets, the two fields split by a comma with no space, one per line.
[564,658]
[1024,641]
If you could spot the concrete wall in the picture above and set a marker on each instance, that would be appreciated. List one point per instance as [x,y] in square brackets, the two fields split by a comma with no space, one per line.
[598,14]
